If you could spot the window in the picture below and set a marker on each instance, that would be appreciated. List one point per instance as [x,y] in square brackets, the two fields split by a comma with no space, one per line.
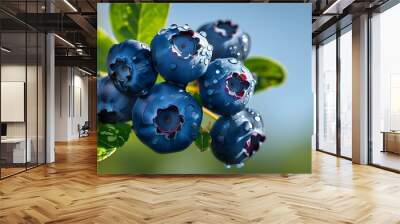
[327,95]
[346,92]
[385,89]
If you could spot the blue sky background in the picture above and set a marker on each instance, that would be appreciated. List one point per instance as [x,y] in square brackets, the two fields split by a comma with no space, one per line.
[283,33]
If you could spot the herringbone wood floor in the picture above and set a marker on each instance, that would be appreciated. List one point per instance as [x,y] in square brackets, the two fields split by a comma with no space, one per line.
[69,191]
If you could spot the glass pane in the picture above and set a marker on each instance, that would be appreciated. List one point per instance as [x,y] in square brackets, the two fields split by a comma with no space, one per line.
[41,98]
[13,86]
[346,94]
[32,98]
[327,96]
[386,89]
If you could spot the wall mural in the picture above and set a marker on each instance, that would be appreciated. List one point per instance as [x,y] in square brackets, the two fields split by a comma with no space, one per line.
[227,91]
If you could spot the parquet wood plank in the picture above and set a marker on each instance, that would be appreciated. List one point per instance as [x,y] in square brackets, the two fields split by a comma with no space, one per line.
[70,191]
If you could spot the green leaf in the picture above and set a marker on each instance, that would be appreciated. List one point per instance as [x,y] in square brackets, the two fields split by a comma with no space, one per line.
[104,43]
[138,21]
[269,73]
[203,140]
[113,135]
[103,153]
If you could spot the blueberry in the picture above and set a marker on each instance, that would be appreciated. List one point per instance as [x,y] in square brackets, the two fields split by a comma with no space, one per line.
[112,105]
[227,86]
[227,39]
[131,68]
[180,54]
[236,138]
[167,119]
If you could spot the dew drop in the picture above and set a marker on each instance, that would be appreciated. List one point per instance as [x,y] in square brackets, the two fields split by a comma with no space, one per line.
[162,31]
[235,47]
[228,166]
[240,165]
[217,71]
[180,90]
[238,54]
[215,81]
[195,115]
[143,92]
[226,126]
[173,66]
[189,108]
[245,39]
[194,125]
[257,118]
[233,60]
[248,126]
[134,58]
[202,33]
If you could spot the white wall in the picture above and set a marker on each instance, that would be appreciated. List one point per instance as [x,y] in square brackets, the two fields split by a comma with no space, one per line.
[71,102]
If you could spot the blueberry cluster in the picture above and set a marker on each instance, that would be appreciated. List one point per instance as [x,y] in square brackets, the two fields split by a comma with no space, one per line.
[167,118]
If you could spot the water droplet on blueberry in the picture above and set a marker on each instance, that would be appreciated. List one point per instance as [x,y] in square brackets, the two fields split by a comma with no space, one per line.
[240,165]
[195,115]
[173,66]
[215,81]
[202,33]
[162,31]
[233,60]
[248,126]
[257,118]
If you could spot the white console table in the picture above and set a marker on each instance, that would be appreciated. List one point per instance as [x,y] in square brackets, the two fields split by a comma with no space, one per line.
[18,149]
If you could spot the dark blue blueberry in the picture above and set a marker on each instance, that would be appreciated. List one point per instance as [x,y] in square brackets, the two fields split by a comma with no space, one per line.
[167,119]
[131,68]
[180,54]
[227,86]
[112,105]
[227,39]
[236,138]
